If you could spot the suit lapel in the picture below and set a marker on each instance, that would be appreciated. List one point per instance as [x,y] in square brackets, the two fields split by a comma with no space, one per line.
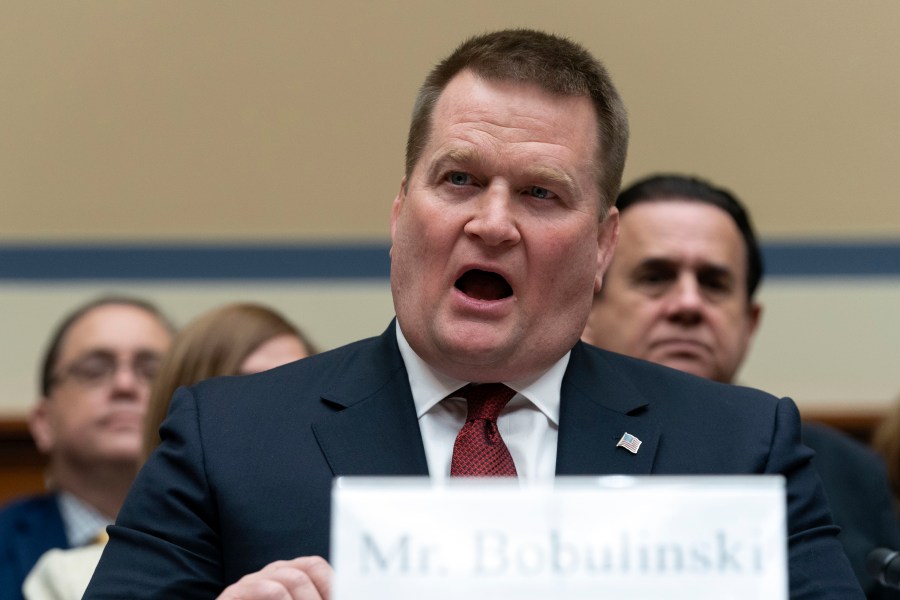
[38,528]
[597,406]
[375,430]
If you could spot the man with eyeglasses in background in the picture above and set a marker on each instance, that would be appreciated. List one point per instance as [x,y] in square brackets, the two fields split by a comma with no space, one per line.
[95,384]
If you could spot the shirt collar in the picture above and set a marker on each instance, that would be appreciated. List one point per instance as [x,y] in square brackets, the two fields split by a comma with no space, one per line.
[429,386]
[82,521]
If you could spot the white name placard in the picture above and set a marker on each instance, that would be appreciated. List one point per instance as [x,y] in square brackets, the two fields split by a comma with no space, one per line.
[641,537]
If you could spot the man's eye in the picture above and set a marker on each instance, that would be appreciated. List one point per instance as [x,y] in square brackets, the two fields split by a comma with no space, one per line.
[459,178]
[715,282]
[716,288]
[92,370]
[541,193]
[148,368]
[652,277]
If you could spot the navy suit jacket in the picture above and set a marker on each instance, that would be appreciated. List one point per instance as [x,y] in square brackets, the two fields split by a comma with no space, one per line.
[859,494]
[28,528]
[243,475]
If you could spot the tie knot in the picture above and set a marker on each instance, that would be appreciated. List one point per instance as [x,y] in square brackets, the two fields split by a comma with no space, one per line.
[100,538]
[486,400]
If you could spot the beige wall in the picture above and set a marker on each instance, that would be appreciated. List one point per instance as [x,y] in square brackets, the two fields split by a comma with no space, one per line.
[285,120]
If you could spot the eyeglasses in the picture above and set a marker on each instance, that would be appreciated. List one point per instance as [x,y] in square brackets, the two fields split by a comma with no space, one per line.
[99,369]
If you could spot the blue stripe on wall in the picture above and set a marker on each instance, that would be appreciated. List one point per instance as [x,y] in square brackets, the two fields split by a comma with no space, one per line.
[356,261]
[832,259]
[195,262]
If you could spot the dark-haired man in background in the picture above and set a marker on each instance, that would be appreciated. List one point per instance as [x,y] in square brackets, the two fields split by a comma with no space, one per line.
[95,384]
[681,292]
[502,228]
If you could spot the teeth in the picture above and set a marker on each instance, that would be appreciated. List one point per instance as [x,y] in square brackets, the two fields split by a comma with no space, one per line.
[483,285]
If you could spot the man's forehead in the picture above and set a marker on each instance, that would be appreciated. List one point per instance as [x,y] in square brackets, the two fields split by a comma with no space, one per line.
[470,103]
[101,329]
[687,219]
[468,94]
[682,230]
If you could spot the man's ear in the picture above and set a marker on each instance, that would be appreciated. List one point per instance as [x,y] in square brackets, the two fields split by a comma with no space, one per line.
[39,425]
[395,209]
[607,237]
[754,316]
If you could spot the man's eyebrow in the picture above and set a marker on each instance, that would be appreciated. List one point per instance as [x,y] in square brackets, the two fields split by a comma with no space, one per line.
[453,156]
[706,269]
[716,270]
[94,354]
[539,173]
[657,262]
[147,354]
[554,176]
[109,354]
[461,155]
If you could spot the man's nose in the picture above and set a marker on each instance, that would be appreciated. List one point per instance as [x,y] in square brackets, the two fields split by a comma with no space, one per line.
[126,381]
[686,301]
[494,217]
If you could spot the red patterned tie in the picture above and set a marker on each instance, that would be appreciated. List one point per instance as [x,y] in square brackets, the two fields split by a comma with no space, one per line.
[479,450]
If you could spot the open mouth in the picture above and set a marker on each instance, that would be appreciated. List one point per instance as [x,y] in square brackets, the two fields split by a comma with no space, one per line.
[483,285]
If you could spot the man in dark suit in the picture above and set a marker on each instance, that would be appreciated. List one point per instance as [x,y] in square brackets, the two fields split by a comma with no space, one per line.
[501,230]
[95,384]
[681,291]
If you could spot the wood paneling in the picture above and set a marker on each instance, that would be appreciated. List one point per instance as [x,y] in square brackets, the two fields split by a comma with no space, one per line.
[21,465]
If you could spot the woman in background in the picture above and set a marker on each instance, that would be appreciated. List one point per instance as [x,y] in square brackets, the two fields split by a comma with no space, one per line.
[235,339]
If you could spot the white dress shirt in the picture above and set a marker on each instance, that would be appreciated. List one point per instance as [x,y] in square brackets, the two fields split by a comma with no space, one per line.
[83,522]
[529,424]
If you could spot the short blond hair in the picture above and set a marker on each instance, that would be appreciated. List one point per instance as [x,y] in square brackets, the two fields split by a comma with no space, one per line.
[554,63]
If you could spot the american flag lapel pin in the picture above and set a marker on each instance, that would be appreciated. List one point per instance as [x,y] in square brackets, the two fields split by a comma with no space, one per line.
[629,442]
